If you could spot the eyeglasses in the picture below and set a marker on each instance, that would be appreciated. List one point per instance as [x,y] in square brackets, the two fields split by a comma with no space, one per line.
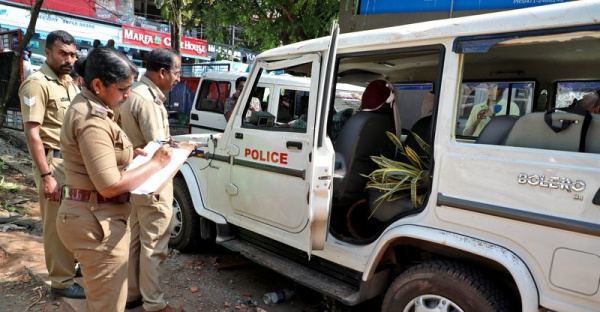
[176,73]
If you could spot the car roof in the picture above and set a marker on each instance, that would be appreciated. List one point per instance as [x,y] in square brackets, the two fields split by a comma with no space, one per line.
[566,14]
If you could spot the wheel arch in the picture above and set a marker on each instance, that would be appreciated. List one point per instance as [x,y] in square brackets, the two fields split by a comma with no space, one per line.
[187,173]
[459,247]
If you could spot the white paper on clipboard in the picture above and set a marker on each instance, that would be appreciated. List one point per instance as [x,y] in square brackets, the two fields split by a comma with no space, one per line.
[153,184]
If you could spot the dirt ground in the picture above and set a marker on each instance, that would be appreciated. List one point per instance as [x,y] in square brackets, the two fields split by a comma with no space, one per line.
[213,279]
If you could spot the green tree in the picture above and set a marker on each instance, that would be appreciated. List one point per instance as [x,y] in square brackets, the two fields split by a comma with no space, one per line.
[171,11]
[265,23]
[14,73]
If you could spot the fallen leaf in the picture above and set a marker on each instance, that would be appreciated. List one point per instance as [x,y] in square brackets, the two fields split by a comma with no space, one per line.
[227,304]
[193,289]
[247,294]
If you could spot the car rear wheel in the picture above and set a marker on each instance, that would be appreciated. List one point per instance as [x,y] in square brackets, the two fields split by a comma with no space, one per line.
[185,233]
[445,287]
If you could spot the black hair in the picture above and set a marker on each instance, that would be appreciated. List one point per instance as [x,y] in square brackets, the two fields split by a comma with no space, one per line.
[160,58]
[108,65]
[74,73]
[96,43]
[79,67]
[240,79]
[61,36]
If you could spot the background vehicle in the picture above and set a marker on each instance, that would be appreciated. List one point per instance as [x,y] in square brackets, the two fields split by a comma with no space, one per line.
[206,115]
[509,220]
[36,61]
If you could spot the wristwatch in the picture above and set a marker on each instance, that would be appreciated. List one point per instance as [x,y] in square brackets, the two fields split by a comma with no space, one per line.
[43,175]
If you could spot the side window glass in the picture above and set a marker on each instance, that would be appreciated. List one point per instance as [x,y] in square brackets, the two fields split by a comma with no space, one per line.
[281,108]
[547,96]
[213,95]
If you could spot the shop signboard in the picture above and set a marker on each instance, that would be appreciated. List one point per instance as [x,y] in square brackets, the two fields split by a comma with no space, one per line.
[118,11]
[412,6]
[148,39]
[13,17]
[227,52]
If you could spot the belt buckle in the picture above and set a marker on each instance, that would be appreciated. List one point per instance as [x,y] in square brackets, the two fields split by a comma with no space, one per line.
[66,192]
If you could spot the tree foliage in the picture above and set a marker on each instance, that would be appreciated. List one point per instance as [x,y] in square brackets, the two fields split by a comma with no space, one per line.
[265,24]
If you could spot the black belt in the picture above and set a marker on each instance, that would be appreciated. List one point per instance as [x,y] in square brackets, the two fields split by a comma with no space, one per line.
[55,153]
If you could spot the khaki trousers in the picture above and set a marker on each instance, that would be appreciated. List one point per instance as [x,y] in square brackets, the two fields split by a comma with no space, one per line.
[98,235]
[60,262]
[150,225]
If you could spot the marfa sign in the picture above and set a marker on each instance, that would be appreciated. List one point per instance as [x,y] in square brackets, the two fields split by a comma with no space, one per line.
[152,39]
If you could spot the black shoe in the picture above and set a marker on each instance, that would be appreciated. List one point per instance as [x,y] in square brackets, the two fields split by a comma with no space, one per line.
[74,291]
[134,304]
[78,271]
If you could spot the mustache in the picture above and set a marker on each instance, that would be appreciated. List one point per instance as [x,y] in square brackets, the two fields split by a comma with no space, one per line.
[70,66]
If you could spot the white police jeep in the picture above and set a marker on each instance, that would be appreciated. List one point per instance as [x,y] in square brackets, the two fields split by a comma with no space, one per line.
[502,208]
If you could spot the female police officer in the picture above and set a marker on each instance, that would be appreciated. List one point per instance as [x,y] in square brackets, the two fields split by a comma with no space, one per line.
[92,220]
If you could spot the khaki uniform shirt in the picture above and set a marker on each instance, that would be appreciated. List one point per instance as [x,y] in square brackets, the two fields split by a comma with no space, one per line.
[94,148]
[45,99]
[144,117]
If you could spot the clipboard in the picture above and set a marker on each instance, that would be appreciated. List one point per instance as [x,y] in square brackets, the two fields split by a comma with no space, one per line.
[160,178]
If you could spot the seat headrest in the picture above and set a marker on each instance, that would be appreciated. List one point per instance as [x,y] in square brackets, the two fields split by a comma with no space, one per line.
[377,93]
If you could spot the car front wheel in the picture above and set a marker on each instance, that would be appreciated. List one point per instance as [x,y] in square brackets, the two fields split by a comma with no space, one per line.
[185,233]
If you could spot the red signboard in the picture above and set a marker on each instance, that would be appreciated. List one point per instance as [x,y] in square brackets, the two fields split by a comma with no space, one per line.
[152,39]
[119,11]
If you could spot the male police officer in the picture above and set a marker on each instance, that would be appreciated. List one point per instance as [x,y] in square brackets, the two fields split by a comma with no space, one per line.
[45,96]
[144,119]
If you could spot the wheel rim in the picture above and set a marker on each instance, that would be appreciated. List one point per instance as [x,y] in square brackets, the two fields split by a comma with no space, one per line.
[432,303]
[177,222]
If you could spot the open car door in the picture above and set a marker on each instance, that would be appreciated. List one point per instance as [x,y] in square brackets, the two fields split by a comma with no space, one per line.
[324,154]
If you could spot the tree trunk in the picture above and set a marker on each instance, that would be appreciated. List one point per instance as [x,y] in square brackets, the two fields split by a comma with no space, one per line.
[16,63]
[176,26]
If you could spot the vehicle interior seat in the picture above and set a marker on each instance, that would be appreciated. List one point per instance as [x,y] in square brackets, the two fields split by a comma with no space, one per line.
[363,136]
[210,105]
[565,132]
[496,131]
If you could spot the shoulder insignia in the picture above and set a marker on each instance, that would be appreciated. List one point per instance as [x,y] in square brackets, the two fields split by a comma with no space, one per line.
[34,78]
[64,99]
[99,111]
[29,101]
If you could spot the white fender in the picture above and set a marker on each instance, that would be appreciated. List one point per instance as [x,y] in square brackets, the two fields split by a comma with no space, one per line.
[506,258]
[196,194]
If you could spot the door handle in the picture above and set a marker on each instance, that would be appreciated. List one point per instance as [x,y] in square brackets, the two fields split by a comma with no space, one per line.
[239,135]
[293,145]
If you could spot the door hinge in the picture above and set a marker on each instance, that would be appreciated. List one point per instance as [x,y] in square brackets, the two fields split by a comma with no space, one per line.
[231,189]
[233,150]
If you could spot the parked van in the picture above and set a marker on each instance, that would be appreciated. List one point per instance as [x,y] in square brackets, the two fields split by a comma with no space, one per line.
[207,113]
[495,206]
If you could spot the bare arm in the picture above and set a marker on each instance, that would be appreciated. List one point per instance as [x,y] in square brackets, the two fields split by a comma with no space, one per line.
[48,184]
[131,179]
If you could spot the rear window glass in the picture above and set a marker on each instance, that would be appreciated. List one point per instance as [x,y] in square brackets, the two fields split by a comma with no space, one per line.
[567,91]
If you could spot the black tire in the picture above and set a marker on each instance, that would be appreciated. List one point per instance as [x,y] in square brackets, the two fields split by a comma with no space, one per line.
[454,286]
[185,234]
